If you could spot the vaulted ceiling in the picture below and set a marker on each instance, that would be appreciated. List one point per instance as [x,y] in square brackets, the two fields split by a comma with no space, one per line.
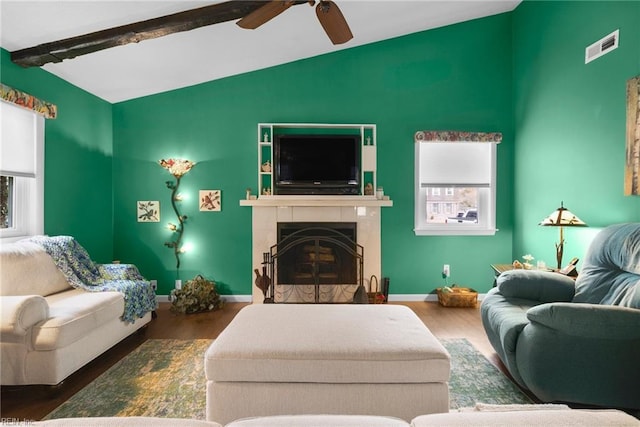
[210,52]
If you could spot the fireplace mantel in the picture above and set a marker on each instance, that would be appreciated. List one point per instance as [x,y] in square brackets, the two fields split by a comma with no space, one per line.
[317,201]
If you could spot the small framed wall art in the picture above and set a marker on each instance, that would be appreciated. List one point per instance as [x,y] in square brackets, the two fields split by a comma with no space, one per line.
[148,211]
[210,200]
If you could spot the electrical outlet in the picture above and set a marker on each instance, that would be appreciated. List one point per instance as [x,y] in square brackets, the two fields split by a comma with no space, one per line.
[446,270]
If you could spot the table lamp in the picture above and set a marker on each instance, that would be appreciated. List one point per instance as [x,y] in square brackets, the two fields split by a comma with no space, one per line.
[562,217]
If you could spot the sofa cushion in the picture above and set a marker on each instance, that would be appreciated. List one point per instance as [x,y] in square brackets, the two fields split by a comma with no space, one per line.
[318,343]
[124,422]
[611,270]
[74,314]
[27,269]
[552,417]
[319,421]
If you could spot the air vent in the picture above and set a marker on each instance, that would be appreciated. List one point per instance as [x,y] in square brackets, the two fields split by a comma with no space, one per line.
[601,47]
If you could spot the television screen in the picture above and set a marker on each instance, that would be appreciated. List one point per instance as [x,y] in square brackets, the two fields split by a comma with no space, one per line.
[330,164]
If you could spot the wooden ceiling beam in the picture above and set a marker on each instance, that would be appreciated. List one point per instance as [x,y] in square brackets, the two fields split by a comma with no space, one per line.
[60,50]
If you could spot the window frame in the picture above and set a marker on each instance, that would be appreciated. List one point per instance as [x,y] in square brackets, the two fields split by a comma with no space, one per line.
[486,225]
[28,191]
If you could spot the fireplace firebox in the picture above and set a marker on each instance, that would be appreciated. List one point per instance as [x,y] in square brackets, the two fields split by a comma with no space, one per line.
[315,263]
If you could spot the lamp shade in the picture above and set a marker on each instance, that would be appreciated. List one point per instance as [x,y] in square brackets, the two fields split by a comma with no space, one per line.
[177,167]
[562,217]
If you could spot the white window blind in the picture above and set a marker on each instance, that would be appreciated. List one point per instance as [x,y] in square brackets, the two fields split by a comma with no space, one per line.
[455,163]
[18,141]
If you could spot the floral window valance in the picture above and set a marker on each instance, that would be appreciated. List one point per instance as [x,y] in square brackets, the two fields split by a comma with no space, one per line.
[457,136]
[14,96]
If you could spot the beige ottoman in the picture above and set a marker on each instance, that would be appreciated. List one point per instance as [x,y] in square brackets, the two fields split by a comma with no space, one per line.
[277,359]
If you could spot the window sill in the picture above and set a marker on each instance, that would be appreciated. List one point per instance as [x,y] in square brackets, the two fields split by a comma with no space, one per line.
[455,232]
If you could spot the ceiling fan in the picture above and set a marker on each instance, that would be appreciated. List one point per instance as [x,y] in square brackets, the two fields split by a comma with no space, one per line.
[328,13]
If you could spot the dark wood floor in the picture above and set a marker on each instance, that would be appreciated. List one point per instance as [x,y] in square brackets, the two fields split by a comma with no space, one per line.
[34,402]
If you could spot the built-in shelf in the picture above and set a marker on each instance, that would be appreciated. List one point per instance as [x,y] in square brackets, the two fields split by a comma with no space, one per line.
[268,131]
[313,201]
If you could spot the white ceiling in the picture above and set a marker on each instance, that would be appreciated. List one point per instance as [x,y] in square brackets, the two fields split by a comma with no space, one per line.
[209,53]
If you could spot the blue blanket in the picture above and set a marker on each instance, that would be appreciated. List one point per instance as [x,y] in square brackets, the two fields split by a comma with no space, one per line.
[81,272]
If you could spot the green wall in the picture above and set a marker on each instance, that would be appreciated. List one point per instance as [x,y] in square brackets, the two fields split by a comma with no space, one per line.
[570,120]
[519,73]
[456,77]
[78,155]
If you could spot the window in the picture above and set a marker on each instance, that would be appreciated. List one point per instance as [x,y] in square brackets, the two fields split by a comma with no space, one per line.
[6,201]
[465,173]
[21,172]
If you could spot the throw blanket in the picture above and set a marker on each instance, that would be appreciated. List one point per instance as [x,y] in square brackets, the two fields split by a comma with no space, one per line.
[81,272]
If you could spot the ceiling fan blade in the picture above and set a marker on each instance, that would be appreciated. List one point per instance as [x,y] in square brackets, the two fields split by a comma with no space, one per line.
[264,14]
[333,22]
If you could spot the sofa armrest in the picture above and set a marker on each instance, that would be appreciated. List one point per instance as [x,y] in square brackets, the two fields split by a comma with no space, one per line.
[542,286]
[19,313]
[588,320]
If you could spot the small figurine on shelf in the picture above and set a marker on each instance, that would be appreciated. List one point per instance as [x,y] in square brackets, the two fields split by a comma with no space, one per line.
[265,138]
[368,189]
[266,166]
[248,190]
[266,191]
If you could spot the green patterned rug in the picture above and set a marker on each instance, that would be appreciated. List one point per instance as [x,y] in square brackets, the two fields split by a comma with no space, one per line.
[165,378]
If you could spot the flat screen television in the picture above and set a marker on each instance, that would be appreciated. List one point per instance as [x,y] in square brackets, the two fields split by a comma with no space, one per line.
[317,164]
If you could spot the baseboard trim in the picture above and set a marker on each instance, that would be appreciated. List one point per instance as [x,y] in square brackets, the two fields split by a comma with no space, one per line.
[227,298]
[237,298]
[420,297]
[392,297]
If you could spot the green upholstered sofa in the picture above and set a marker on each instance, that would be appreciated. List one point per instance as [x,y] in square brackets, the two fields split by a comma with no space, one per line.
[574,342]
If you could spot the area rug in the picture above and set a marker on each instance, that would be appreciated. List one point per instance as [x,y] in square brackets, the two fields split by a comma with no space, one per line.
[475,380]
[165,378]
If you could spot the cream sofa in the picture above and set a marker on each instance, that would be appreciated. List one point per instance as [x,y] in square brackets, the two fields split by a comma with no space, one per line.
[504,415]
[48,329]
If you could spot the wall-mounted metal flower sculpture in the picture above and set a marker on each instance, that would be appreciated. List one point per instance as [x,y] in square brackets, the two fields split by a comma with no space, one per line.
[177,168]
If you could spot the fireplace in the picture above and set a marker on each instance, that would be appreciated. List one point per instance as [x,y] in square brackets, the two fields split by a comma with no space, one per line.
[315,262]
[268,213]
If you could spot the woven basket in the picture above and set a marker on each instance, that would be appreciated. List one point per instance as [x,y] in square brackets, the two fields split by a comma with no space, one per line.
[375,295]
[457,297]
